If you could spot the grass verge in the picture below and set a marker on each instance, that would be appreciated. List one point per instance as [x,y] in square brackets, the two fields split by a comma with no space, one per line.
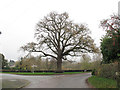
[42,73]
[100,82]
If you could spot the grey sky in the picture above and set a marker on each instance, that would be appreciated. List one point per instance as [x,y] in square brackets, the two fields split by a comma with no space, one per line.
[19,17]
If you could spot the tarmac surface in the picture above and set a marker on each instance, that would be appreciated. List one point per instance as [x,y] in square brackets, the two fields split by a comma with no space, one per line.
[52,81]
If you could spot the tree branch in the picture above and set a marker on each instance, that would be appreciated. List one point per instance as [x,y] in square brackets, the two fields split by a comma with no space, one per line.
[44,53]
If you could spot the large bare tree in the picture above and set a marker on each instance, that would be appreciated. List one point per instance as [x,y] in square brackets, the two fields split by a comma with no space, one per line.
[58,37]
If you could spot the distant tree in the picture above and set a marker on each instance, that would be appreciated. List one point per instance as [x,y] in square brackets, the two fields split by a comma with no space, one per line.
[85,61]
[27,63]
[58,37]
[50,64]
[3,61]
[21,64]
[96,61]
[97,57]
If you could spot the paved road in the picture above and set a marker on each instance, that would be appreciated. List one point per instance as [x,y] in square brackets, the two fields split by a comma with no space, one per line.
[53,81]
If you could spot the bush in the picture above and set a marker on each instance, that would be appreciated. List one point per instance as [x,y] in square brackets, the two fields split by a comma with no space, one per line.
[7,68]
[107,71]
[93,71]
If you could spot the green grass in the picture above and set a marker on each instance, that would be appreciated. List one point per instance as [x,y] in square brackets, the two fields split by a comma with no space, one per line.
[100,82]
[42,73]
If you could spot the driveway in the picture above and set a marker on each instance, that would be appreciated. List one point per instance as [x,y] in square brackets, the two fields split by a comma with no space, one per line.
[53,81]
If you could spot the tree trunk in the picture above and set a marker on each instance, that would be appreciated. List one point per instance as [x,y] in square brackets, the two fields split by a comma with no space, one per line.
[59,66]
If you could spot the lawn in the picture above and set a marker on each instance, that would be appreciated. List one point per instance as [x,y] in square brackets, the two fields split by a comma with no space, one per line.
[42,73]
[100,82]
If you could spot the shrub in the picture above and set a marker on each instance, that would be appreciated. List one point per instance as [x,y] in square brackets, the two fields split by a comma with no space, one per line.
[93,71]
[107,71]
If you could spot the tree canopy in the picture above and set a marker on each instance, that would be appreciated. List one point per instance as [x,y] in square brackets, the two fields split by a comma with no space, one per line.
[58,37]
[108,51]
[110,45]
[3,62]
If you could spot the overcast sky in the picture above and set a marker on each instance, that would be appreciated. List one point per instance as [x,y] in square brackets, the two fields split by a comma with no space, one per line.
[19,17]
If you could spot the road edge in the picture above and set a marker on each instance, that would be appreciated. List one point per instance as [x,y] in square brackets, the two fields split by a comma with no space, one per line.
[89,85]
[44,74]
[22,86]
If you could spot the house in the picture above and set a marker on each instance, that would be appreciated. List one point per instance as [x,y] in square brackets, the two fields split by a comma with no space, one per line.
[11,63]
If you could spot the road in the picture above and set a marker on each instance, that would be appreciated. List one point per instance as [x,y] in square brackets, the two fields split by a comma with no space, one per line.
[53,81]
